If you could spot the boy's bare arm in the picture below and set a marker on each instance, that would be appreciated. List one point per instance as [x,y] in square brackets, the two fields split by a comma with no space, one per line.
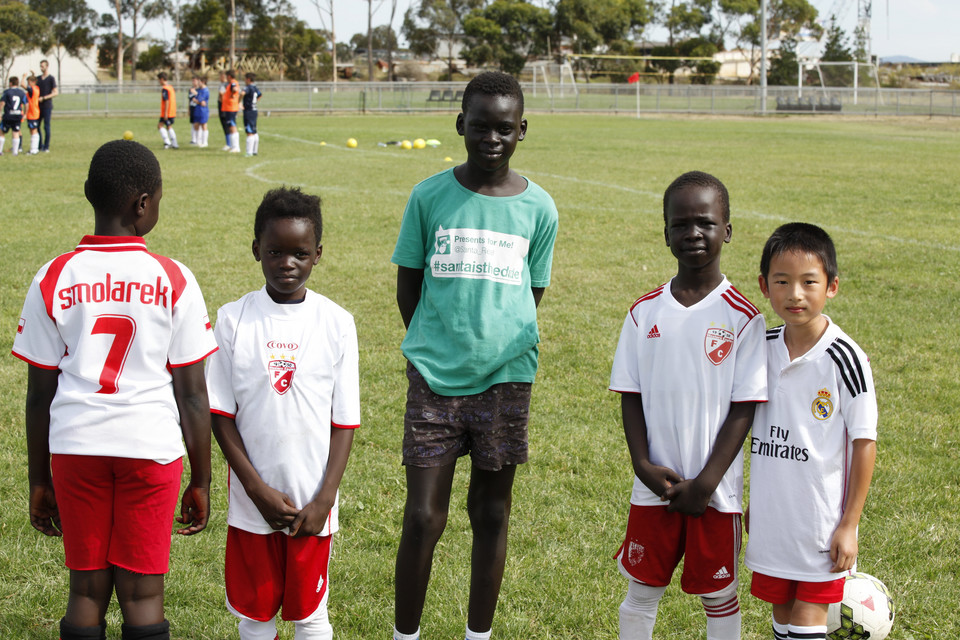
[313,516]
[692,496]
[190,391]
[843,546]
[275,506]
[657,478]
[409,282]
[41,388]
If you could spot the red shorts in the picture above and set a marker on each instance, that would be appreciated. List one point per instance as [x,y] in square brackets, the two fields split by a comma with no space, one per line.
[116,512]
[782,591]
[656,540]
[267,572]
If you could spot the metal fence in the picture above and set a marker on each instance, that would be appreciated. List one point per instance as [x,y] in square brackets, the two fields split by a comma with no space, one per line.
[638,99]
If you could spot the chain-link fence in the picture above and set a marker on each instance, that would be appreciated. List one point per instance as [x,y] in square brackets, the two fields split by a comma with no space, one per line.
[420,97]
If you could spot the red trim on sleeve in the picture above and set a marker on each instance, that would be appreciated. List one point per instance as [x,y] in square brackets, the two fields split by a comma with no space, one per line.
[344,426]
[177,282]
[48,285]
[48,367]
[232,416]
[187,364]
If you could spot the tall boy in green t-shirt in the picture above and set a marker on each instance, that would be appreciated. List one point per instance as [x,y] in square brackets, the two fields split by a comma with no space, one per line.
[473,258]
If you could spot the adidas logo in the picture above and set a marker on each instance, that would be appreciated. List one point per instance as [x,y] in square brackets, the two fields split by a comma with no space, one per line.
[723,574]
[653,333]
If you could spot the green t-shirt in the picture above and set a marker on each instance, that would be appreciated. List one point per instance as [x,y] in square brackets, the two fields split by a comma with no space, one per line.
[476,322]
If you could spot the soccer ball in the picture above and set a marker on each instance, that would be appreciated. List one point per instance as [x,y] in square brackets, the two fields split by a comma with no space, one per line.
[352,143]
[866,610]
[406,145]
[419,143]
[128,135]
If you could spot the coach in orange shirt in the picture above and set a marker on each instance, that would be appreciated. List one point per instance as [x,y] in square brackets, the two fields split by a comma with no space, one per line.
[168,112]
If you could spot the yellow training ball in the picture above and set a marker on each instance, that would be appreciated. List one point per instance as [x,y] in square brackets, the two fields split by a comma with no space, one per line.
[406,145]
[128,135]
[322,143]
[448,159]
[352,143]
[419,143]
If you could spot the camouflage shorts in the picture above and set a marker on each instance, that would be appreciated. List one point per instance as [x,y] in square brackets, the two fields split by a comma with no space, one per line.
[491,426]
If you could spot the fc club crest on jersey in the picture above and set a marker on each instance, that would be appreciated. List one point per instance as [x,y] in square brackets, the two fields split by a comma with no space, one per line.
[281,374]
[822,407]
[718,343]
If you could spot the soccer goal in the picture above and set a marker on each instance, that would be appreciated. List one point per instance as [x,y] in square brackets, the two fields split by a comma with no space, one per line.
[837,75]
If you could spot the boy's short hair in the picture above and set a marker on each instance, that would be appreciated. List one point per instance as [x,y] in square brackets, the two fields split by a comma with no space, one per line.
[492,83]
[250,76]
[120,171]
[800,237]
[32,79]
[162,76]
[698,179]
[288,202]
[231,73]
[14,81]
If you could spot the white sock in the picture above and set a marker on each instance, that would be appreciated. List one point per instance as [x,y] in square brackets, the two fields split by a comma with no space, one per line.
[250,145]
[780,631]
[34,142]
[638,611]
[723,617]
[204,135]
[255,630]
[235,141]
[164,135]
[476,635]
[173,137]
[2,140]
[256,143]
[316,629]
[807,633]
[406,636]
[16,146]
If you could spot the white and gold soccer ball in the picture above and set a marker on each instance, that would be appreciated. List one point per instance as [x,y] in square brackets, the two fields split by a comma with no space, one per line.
[866,611]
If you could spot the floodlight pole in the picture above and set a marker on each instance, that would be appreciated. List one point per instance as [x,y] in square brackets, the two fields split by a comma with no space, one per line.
[763,57]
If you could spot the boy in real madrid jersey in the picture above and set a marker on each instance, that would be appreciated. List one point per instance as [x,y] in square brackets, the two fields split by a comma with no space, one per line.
[285,396]
[115,338]
[690,370]
[814,443]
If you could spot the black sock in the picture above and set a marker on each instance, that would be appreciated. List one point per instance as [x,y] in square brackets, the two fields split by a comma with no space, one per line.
[73,632]
[159,631]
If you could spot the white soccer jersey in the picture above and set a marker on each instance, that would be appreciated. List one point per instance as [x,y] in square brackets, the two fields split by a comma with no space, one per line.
[800,453]
[112,317]
[689,364]
[286,373]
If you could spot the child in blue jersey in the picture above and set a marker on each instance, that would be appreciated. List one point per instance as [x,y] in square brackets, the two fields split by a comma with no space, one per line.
[201,113]
[14,107]
[473,257]
[250,96]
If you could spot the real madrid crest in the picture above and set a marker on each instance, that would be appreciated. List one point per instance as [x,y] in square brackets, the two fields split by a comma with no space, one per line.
[822,407]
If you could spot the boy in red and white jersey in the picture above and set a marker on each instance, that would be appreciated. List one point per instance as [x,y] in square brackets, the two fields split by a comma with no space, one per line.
[285,396]
[115,338]
[814,444]
[690,370]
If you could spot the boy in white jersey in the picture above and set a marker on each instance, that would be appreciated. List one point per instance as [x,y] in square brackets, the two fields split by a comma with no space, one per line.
[115,338]
[690,370]
[285,394]
[473,257]
[814,443]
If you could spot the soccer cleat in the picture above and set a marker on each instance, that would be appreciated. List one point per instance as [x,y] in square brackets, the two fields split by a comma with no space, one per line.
[234,150]
[226,147]
[166,146]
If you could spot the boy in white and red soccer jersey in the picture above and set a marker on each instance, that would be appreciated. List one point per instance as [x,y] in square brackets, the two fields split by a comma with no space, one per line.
[285,394]
[115,338]
[814,443]
[690,370]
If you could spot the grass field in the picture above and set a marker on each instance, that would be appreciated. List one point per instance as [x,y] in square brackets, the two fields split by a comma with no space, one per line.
[883,188]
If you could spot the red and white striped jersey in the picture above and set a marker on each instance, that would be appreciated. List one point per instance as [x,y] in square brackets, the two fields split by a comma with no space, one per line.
[689,364]
[114,318]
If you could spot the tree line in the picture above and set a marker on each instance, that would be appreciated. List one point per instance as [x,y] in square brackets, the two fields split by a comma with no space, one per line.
[504,34]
